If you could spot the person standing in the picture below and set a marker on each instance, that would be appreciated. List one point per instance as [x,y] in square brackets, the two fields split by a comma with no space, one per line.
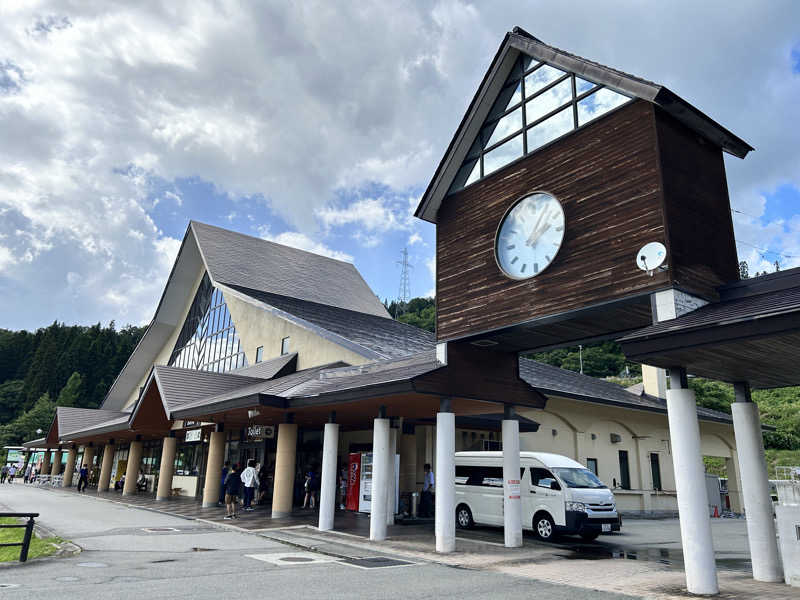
[342,487]
[12,470]
[250,481]
[3,474]
[28,473]
[225,468]
[233,484]
[426,500]
[83,478]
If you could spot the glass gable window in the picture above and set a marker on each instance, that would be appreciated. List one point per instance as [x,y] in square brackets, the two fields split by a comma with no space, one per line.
[539,103]
[208,340]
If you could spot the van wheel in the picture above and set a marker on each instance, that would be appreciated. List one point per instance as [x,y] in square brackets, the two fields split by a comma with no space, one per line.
[543,527]
[464,517]
[590,536]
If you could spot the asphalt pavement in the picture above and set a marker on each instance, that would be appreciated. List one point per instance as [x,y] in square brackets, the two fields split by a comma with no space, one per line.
[130,553]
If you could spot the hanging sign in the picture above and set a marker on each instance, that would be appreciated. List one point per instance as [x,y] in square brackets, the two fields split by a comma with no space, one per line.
[257,433]
[194,435]
[513,489]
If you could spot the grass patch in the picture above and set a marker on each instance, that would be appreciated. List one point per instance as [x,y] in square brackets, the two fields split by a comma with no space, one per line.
[786,458]
[39,546]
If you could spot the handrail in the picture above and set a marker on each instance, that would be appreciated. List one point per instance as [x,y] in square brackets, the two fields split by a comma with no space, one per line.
[26,540]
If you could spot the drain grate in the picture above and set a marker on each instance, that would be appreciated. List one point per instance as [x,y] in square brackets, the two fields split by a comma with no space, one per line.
[198,549]
[286,559]
[377,562]
[8,585]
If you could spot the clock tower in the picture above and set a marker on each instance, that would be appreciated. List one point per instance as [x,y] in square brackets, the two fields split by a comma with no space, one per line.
[560,173]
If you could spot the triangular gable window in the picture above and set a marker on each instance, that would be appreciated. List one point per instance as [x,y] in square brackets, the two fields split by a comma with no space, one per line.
[208,340]
[537,105]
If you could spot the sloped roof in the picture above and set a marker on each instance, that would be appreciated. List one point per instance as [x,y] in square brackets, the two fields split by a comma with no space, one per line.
[181,386]
[73,420]
[561,382]
[267,369]
[236,259]
[382,338]
[520,41]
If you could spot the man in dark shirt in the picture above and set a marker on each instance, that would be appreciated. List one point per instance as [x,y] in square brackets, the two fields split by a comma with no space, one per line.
[225,469]
[83,480]
[233,485]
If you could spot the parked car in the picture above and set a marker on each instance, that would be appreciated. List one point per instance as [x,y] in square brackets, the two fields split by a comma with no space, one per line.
[559,495]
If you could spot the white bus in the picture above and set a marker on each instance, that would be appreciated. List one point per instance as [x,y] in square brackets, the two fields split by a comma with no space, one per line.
[559,495]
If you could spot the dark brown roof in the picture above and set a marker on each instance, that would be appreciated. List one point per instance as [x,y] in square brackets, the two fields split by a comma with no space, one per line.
[73,420]
[182,386]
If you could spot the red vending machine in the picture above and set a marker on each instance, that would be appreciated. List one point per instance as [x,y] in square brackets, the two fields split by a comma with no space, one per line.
[353,481]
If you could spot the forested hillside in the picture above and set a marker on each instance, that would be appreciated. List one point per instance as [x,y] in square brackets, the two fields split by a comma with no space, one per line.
[59,365]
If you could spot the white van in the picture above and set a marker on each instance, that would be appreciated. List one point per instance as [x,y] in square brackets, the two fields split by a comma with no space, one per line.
[559,495]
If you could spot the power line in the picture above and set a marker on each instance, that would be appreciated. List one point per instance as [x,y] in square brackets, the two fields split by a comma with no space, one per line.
[763,251]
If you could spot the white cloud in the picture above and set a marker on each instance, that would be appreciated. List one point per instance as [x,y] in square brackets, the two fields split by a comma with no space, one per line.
[298,104]
[414,238]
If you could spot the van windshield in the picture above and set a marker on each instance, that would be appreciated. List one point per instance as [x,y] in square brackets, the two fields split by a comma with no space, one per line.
[579,478]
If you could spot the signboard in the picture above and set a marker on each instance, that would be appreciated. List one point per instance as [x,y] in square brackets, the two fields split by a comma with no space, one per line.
[353,481]
[194,435]
[257,433]
[14,457]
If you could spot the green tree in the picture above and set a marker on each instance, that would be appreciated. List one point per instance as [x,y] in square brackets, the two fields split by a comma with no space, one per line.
[12,393]
[24,427]
[71,393]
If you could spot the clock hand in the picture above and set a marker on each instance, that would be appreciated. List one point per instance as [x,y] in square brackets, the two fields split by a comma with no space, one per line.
[540,233]
[532,237]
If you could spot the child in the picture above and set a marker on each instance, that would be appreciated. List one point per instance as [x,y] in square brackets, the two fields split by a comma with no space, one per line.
[232,488]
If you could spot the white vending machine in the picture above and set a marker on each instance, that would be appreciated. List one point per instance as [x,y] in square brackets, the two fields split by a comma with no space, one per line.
[365,491]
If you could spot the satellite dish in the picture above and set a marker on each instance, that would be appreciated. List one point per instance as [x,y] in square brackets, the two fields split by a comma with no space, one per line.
[651,257]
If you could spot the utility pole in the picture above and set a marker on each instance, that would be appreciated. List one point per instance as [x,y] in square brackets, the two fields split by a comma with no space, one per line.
[403,295]
[580,356]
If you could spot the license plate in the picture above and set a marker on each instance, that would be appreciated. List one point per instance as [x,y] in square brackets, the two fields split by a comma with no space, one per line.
[606,527]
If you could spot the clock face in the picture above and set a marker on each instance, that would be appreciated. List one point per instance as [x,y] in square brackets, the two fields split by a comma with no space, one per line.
[530,236]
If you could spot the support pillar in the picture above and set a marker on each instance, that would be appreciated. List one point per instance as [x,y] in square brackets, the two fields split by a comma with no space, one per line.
[327,493]
[216,456]
[512,503]
[69,470]
[167,467]
[392,483]
[88,456]
[734,483]
[55,467]
[45,468]
[105,468]
[761,533]
[445,478]
[380,477]
[132,472]
[408,460]
[690,484]
[285,459]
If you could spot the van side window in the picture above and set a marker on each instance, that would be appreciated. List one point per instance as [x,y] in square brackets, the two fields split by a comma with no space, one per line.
[541,477]
[483,476]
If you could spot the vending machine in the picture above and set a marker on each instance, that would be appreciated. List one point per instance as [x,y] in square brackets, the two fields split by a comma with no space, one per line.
[359,482]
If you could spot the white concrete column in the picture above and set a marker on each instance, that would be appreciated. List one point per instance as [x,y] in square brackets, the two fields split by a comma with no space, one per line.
[216,456]
[761,533]
[285,460]
[380,479]
[105,468]
[166,468]
[327,494]
[512,503]
[132,470]
[690,484]
[69,469]
[392,488]
[445,479]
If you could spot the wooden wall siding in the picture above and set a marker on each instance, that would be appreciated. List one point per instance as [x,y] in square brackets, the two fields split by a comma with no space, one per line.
[701,245]
[607,179]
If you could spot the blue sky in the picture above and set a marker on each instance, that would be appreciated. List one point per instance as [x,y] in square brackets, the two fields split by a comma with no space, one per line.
[319,126]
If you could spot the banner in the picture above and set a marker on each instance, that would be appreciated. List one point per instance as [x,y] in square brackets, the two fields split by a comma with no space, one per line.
[353,481]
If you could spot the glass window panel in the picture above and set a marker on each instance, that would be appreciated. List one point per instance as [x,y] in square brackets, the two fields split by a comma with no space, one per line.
[550,129]
[581,85]
[540,78]
[509,96]
[259,354]
[527,62]
[598,104]
[503,128]
[548,101]
[502,155]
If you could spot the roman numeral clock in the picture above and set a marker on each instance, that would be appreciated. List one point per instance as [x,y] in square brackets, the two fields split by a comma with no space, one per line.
[559,176]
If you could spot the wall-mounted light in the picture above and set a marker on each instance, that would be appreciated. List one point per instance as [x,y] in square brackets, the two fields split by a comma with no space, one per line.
[252,413]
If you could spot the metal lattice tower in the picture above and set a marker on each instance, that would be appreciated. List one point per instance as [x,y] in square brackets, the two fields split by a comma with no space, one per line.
[404,294]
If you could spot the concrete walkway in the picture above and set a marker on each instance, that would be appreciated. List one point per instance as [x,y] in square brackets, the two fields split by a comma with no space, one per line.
[131,554]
